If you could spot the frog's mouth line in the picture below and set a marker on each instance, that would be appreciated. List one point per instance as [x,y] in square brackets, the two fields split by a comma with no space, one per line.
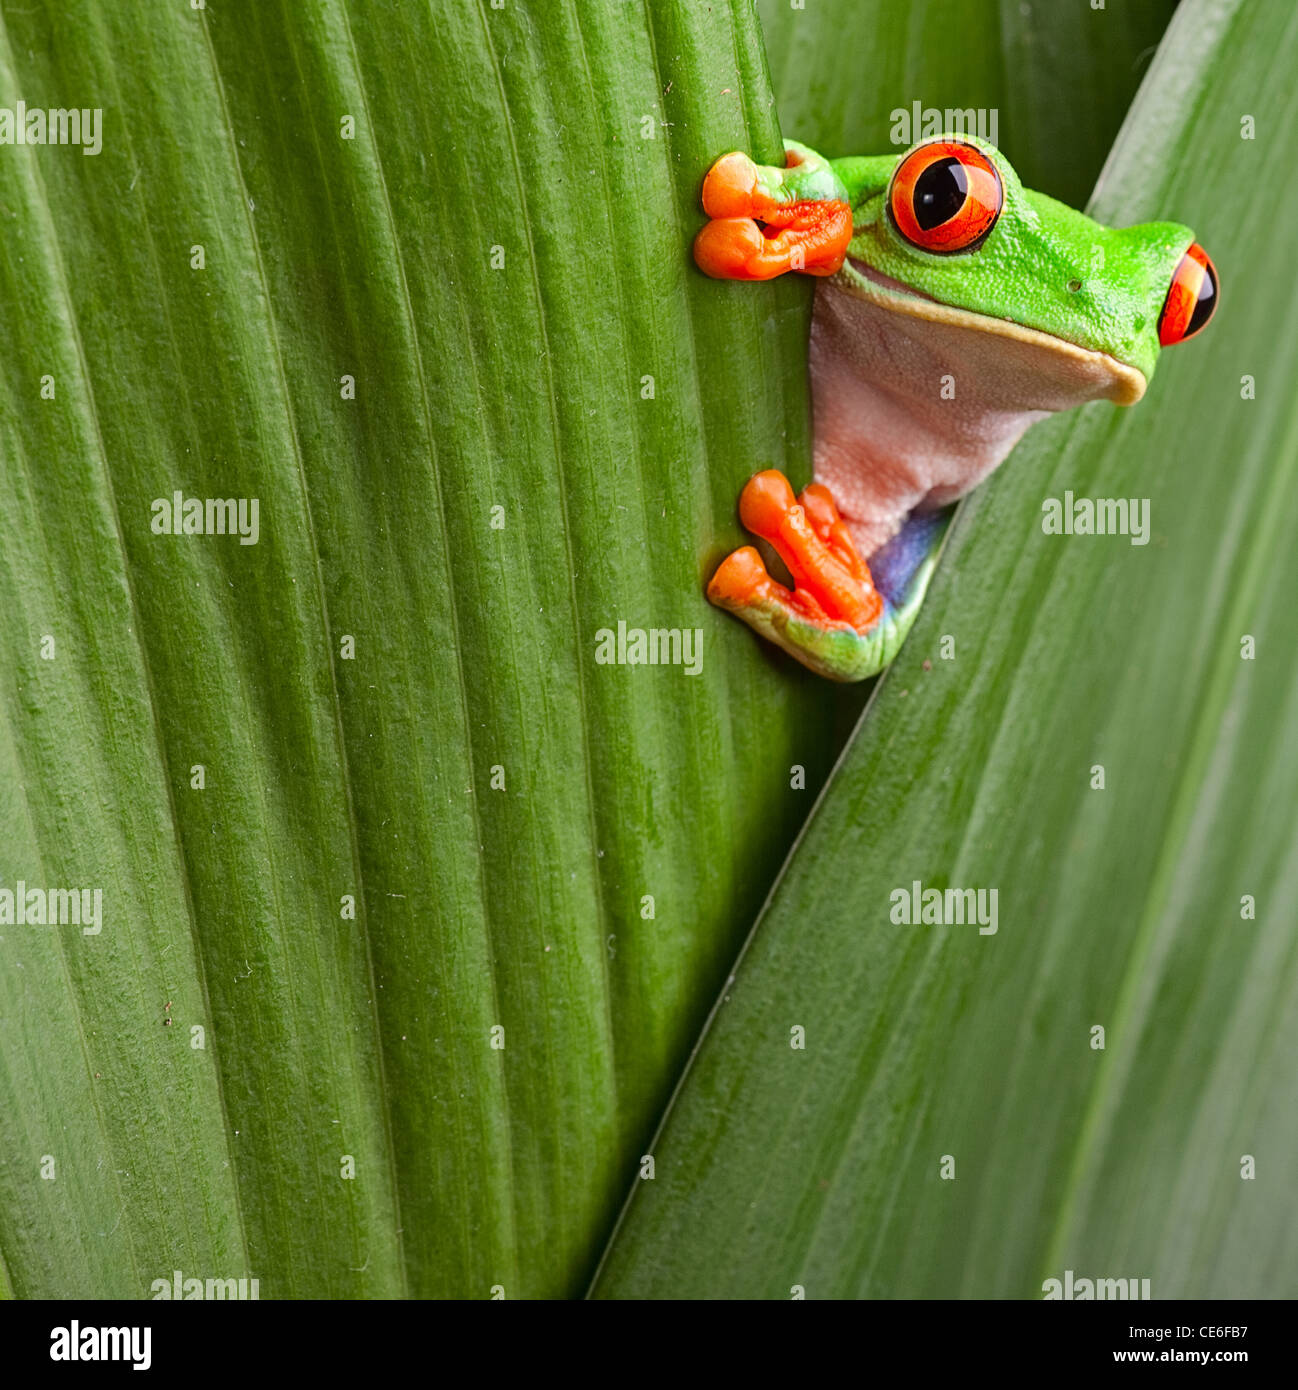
[1128,383]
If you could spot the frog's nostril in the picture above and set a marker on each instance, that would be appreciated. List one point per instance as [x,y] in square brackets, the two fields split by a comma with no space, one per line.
[1074,286]
[1191,299]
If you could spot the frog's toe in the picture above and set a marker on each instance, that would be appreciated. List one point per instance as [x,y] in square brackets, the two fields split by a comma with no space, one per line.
[733,248]
[743,586]
[817,242]
[732,188]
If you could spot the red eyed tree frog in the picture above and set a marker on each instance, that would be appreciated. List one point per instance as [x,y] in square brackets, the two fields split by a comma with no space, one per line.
[956,307]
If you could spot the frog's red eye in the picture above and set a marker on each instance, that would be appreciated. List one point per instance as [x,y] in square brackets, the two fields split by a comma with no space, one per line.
[1191,299]
[945,196]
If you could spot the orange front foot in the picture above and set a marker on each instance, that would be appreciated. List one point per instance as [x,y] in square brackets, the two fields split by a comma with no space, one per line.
[832,584]
[834,620]
[766,221]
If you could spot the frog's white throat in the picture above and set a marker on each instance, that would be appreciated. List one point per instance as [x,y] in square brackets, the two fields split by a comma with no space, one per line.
[916,402]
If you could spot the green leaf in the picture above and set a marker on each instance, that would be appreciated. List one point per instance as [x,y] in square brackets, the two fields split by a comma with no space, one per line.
[347,170]
[1056,79]
[1121,908]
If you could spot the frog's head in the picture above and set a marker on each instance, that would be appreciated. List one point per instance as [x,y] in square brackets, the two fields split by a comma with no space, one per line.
[947,232]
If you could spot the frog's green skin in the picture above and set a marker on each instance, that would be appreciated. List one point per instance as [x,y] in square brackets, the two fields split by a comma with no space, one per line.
[927,368]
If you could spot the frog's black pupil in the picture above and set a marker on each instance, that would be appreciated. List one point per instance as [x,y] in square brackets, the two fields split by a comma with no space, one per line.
[1207,302]
[940,192]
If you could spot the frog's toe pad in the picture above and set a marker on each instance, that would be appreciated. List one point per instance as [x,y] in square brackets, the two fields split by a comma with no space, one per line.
[765,502]
[733,248]
[741,581]
[731,188]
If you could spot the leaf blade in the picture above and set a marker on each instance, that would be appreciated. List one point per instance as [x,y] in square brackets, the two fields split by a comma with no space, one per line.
[367,255]
[821,1168]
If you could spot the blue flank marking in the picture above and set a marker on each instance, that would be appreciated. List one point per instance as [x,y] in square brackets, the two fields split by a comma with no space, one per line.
[893,565]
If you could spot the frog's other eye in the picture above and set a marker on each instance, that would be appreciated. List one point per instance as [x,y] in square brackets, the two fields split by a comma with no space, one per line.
[945,197]
[1190,300]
